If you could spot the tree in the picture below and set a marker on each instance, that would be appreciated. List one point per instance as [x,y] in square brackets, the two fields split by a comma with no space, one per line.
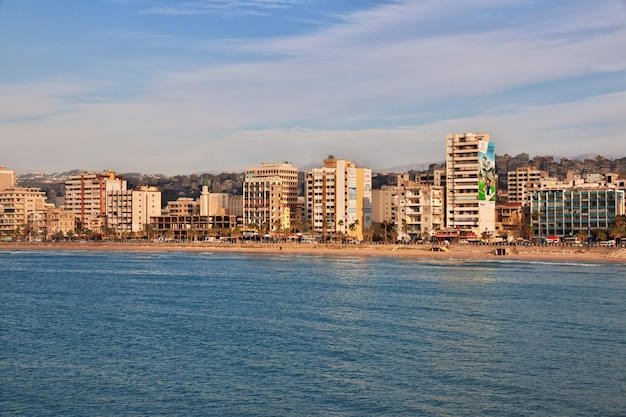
[149,229]
[600,234]
[528,231]
[384,230]
[353,227]
[618,227]
[536,216]
[405,228]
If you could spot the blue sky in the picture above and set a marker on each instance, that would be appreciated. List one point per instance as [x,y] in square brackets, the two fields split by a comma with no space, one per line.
[175,87]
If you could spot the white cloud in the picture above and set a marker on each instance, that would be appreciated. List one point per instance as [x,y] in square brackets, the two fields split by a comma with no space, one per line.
[319,96]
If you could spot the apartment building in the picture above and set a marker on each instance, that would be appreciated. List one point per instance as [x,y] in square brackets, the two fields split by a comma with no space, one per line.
[385,204]
[518,180]
[17,205]
[421,209]
[565,208]
[128,211]
[288,176]
[86,197]
[470,183]
[415,209]
[339,198]
[265,204]
[51,222]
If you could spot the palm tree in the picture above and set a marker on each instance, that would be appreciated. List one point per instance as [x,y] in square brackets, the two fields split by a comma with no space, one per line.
[149,229]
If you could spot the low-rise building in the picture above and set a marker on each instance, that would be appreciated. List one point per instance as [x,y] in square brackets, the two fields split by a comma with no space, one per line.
[562,209]
[17,205]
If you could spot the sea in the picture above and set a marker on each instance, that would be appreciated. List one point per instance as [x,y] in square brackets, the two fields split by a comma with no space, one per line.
[218,334]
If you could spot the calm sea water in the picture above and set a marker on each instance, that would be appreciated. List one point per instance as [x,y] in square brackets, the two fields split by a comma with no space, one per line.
[190,334]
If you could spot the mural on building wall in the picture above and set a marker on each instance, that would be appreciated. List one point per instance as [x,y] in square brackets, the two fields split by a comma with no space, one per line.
[487,172]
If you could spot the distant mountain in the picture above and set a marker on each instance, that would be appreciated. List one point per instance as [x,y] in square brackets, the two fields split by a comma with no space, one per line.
[406,168]
[585,156]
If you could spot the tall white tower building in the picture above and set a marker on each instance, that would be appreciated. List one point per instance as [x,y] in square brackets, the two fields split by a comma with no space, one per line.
[470,183]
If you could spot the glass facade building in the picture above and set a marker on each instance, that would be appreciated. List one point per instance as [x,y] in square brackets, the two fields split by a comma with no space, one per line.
[563,212]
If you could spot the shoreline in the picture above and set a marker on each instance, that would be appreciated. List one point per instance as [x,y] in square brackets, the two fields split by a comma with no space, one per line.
[526,253]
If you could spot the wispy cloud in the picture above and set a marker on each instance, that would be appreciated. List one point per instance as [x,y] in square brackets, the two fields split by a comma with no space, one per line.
[204,7]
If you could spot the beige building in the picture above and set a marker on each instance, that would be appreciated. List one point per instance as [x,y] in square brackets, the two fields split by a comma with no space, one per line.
[420,209]
[385,204]
[17,205]
[470,183]
[518,181]
[265,205]
[218,204]
[7,178]
[50,222]
[416,210]
[86,197]
[288,176]
[339,198]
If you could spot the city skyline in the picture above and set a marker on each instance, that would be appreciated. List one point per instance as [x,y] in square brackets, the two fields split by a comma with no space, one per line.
[177,87]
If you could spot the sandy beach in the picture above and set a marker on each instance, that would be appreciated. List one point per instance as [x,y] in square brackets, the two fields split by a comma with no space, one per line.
[543,253]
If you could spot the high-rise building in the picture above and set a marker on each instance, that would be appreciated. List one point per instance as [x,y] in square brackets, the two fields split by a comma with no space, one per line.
[339,198]
[86,197]
[470,183]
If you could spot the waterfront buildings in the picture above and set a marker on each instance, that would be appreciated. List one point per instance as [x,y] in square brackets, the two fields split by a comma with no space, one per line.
[286,209]
[264,204]
[339,198]
[415,209]
[51,222]
[566,209]
[470,183]
[421,209]
[17,205]
[128,211]
[86,197]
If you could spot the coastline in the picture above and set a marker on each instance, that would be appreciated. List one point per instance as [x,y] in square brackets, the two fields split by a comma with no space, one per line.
[527,253]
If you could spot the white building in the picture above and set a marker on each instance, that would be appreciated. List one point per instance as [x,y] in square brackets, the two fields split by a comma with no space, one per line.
[130,210]
[470,183]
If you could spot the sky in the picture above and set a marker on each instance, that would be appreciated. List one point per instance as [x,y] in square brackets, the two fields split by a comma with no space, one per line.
[190,86]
